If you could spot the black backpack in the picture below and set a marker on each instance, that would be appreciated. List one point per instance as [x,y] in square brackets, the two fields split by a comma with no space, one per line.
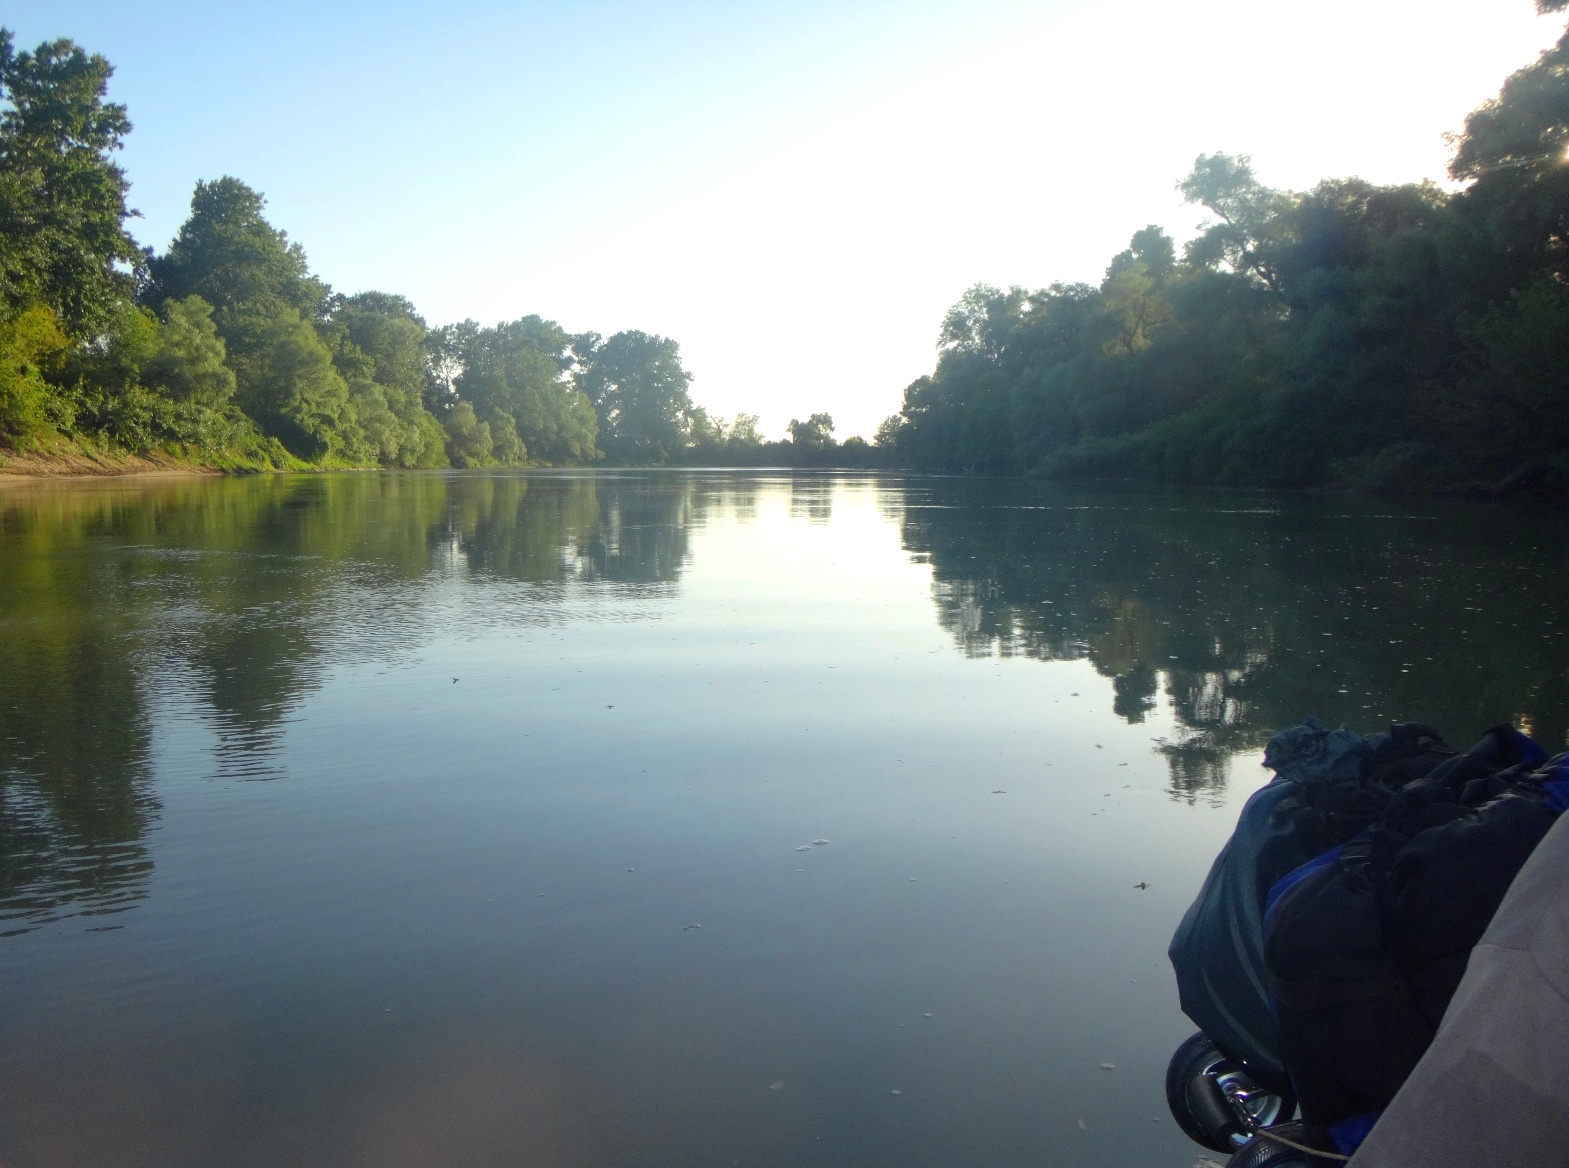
[1366,943]
[1330,785]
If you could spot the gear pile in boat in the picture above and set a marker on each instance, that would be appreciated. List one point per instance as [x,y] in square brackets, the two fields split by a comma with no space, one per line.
[1336,923]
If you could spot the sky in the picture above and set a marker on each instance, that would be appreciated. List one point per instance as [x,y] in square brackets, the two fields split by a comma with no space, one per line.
[795,191]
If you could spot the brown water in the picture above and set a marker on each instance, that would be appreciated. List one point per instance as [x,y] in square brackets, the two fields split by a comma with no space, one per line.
[477,819]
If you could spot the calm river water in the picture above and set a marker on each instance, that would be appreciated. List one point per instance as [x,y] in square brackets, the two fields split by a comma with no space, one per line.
[669,818]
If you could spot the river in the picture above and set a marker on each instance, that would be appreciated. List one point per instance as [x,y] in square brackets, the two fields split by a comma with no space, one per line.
[670,817]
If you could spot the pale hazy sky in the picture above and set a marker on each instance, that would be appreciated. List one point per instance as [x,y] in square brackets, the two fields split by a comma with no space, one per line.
[796,191]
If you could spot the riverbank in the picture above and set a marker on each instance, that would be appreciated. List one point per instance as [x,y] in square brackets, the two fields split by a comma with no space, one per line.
[1537,481]
[82,464]
[68,457]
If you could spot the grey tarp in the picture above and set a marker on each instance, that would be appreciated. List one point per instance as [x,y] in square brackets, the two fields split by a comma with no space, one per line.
[1493,1089]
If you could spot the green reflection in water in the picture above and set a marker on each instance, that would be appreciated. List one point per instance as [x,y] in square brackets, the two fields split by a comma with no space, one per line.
[1241,613]
[74,774]
[240,593]
[1249,611]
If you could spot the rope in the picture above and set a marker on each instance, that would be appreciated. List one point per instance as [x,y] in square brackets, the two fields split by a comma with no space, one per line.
[1267,1134]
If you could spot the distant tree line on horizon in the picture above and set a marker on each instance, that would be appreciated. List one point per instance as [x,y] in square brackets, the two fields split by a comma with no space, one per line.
[1381,337]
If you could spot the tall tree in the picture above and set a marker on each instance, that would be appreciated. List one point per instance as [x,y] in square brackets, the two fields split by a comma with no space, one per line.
[1134,306]
[296,395]
[1513,155]
[266,303]
[63,243]
[391,335]
[515,378]
[379,347]
[981,321]
[1251,218]
[742,430]
[248,270]
[816,434]
[228,249]
[639,391]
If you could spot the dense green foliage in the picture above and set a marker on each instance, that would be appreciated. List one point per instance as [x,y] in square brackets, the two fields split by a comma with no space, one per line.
[1387,337]
[638,387]
[227,349]
[509,394]
[62,201]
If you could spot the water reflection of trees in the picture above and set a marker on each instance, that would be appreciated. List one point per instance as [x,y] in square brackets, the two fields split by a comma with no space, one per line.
[812,497]
[74,735]
[238,595]
[1248,615]
[570,528]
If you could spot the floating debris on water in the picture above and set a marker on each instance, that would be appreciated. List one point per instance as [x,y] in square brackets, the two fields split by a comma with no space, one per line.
[1108,1066]
[1082,1125]
[684,928]
[999,792]
[925,1015]
[1141,886]
[776,1086]
[819,842]
[804,848]
[896,1091]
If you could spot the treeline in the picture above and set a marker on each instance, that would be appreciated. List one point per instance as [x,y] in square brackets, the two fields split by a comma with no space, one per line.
[226,350]
[1385,337]
[736,442]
